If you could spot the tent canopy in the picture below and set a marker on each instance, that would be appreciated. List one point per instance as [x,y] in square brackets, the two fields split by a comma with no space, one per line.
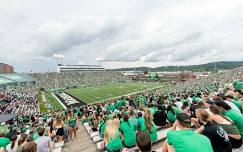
[7,117]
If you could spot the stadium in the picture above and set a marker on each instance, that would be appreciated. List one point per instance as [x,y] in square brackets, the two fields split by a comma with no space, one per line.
[121,76]
[32,100]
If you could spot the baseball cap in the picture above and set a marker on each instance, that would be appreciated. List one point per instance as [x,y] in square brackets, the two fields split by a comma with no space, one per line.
[184,119]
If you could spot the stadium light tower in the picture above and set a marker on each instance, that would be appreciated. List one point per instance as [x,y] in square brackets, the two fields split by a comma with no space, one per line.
[58,56]
[99,60]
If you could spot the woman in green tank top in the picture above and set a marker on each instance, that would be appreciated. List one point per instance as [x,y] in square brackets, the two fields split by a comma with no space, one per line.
[72,123]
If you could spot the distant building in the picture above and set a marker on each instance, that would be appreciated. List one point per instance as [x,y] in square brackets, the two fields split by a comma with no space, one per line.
[73,67]
[6,68]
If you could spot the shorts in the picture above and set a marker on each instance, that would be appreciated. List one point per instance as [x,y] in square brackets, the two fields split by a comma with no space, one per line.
[72,126]
[60,132]
[119,150]
[235,143]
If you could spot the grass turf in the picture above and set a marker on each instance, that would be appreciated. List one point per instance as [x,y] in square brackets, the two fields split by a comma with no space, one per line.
[50,100]
[99,93]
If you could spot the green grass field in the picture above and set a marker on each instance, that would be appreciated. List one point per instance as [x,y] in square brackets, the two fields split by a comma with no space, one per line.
[50,99]
[105,92]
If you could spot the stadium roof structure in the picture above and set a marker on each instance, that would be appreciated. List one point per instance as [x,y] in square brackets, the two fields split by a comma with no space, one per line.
[15,78]
[7,117]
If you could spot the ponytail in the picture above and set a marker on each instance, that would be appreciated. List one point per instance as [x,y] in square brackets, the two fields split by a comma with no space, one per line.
[13,140]
[12,144]
[148,122]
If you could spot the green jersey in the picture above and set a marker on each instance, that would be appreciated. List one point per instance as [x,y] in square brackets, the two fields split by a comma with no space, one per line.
[35,136]
[102,129]
[128,131]
[237,118]
[188,141]
[171,116]
[141,124]
[72,121]
[4,142]
[118,104]
[111,107]
[114,143]
[152,110]
[153,134]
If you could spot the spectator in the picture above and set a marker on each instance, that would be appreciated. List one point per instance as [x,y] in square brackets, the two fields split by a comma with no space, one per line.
[185,139]
[59,127]
[128,131]
[30,147]
[217,135]
[72,123]
[141,122]
[21,142]
[12,147]
[112,138]
[160,116]
[150,127]
[236,117]
[43,142]
[228,125]
[3,141]
[143,142]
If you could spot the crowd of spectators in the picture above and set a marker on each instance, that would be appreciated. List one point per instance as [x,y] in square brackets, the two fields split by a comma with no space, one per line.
[55,80]
[20,99]
[205,111]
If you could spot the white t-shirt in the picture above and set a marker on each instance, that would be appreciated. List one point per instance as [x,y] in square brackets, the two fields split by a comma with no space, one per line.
[43,143]
[178,104]
[8,147]
[233,106]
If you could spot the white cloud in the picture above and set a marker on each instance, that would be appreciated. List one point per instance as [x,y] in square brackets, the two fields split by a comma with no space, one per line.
[123,32]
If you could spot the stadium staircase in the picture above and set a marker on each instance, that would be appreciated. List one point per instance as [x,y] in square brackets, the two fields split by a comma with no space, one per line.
[83,143]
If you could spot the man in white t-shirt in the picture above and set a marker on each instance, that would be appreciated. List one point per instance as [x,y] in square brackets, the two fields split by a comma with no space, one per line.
[43,142]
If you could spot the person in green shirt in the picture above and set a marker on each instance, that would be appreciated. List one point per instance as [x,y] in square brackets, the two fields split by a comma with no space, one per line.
[152,108]
[141,122]
[143,141]
[3,141]
[119,104]
[112,138]
[128,131]
[35,136]
[102,126]
[72,123]
[236,117]
[171,115]
[150,127]
[111,107]
[185,140]
[231,98]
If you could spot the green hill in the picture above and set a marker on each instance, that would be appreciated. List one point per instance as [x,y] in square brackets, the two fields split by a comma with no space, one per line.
[222,65]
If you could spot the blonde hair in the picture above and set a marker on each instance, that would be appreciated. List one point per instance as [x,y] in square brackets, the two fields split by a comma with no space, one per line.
[110,130]
[148,120]
[202,114]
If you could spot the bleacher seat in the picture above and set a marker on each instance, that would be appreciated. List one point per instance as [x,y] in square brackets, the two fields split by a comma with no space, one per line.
[161,136]
[58,149]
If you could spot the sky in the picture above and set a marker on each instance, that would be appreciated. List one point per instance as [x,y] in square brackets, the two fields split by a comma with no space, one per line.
[124,33]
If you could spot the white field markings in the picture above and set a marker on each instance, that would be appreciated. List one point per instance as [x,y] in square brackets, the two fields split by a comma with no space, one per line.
[59,101]
[129,94]
[43,97]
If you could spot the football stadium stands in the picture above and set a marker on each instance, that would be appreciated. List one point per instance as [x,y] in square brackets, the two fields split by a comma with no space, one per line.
[115,125]
[55,80]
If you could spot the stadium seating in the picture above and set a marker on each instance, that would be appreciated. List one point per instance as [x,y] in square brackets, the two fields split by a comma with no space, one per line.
[55,80]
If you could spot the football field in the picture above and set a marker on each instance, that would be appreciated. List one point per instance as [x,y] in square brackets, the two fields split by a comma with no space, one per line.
[111,91]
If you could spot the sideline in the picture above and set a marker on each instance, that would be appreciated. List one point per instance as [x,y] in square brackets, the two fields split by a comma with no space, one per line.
[59,101]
